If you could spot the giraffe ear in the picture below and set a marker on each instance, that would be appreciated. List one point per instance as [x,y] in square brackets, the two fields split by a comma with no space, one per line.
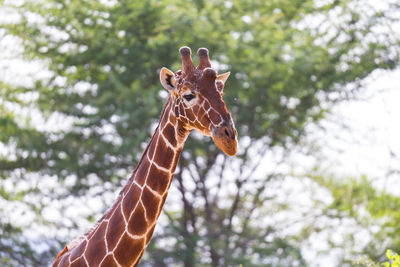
[221,79]
[224,76]
[167,79]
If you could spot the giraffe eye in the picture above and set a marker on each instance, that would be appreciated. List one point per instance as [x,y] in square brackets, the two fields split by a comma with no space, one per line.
[189,97]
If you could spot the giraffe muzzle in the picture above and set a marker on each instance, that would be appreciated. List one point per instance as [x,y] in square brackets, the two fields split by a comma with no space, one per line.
[225,137]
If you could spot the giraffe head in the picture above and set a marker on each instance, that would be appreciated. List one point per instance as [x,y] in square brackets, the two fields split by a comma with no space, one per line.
[196,94]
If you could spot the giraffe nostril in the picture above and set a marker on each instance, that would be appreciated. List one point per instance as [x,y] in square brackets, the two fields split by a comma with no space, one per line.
[227,133]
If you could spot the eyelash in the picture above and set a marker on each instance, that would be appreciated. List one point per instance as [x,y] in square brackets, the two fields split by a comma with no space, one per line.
[189,97]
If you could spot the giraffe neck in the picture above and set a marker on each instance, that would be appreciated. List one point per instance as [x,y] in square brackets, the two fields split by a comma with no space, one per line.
[120,237]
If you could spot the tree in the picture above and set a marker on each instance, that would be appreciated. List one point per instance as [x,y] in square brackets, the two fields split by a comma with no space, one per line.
[369,214]
[286,58]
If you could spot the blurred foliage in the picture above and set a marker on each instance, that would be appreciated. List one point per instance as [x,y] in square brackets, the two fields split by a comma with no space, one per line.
[394,259]
[370,208]
[103,57]
[17,251]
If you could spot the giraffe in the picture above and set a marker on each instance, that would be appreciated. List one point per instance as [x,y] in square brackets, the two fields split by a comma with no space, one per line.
[195,102]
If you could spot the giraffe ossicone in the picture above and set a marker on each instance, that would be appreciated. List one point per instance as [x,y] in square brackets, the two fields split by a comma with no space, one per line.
[195,102]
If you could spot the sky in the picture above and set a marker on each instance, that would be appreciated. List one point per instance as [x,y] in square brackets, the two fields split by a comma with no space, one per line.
[358,138]
[371,143]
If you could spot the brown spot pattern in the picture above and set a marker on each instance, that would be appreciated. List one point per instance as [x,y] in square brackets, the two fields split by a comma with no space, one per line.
[79,263]
[128,250]
[151,204]
[158,180]
[137,225]
[96,248]
[214,116]
[172,119]
[150,234]
[130,200]
[152,146]
[169,134]
[164,155]
[78,251]
[108,261]
[141,172]
[116,227]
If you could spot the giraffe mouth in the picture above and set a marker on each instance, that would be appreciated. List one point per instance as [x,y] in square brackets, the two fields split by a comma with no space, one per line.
[225,137]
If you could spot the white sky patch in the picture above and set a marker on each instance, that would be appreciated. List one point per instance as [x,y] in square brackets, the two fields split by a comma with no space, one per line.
[361,136]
